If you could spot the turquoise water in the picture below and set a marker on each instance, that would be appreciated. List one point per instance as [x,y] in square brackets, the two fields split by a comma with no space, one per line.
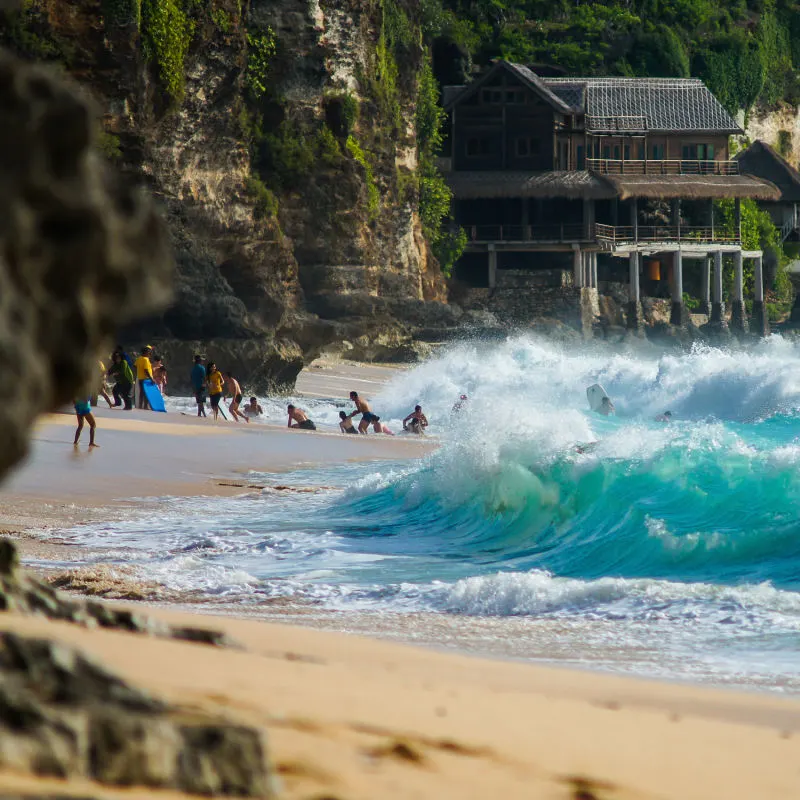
[669,549]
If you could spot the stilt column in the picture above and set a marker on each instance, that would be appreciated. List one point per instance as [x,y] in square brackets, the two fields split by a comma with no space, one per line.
[577,267]
[760,321]
[635,314]
[717,306]
[593,256]
[705,305]
[738,316]
[679,316]
[492,267]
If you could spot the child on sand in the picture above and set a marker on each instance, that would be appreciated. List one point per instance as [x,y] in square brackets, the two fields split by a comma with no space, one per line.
[83,410]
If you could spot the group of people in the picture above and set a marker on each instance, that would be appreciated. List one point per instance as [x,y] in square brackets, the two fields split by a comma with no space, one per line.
[208,378]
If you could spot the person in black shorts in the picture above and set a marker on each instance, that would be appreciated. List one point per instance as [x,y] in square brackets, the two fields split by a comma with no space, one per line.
[300,419]
[367,417]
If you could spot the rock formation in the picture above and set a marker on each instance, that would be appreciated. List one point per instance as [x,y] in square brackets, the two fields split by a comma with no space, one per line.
[80,251]
[280,139]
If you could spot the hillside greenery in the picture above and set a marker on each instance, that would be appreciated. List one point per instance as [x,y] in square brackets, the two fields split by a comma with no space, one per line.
[747,51]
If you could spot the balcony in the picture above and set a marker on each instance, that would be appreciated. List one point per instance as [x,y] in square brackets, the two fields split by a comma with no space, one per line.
[613,166]
[529,234]
[626,234]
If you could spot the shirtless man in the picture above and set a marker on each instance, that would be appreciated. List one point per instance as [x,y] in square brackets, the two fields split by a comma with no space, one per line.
[346,424]
[235,391]
[416,421]
[300,419]
[253,409]
[367,417]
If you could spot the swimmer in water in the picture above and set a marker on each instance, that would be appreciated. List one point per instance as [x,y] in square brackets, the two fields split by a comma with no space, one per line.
[665,417]
[606,407]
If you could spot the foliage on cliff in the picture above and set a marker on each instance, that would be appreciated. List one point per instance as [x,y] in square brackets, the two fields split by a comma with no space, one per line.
[748,51]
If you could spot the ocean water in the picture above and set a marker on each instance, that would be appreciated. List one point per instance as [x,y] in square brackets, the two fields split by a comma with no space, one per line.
[667,550]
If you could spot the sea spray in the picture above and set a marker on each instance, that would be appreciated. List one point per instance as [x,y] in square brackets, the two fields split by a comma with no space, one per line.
[677,540]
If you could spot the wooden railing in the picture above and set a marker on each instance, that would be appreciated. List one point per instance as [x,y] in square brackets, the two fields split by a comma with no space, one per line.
[614,166]
[566,232]
[597,124]
[627,234]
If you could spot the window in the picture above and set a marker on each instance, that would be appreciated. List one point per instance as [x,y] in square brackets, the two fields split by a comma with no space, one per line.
[515,96]
[640,152]
[478,146]
[616,152]
[581,160]
[658,152]
[627,152]
[491,96]
[528,146]
[606,151]
[689,152]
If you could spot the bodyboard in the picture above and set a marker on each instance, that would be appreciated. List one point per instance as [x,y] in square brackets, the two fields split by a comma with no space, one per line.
[153,395]
[595,394]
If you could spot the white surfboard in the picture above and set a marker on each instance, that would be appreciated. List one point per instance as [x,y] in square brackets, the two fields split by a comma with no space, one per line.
[595,394]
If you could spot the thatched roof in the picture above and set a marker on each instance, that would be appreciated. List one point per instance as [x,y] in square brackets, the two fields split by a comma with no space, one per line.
[586,185]
[486,184]
[663,187]
[761,160]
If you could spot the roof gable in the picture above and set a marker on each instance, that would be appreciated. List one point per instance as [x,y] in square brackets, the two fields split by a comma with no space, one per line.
[763,161]
[525,76]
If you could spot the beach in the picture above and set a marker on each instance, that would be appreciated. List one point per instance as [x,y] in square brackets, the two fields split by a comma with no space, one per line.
[347,716]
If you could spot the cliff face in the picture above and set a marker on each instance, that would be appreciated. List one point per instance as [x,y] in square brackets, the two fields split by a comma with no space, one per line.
[279,137]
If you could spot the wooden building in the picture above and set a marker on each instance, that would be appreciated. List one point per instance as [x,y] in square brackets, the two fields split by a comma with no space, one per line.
[550,172]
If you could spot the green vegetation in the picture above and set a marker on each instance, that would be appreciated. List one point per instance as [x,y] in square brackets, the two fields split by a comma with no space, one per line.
[108,145]
[167,32]
[748,51]
[122,13]
[759,233]
[261,47]
[222,19]
[373,196]
[266,204]
[434,194]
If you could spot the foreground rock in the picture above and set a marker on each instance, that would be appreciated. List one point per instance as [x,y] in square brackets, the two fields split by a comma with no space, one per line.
[80,252]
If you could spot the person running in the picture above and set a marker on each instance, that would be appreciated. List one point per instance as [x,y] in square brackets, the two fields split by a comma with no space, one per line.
[346,424]
[216,384]
[235,391]
[144,371]
[198,378]
[416,421]
[83,410]
[253,409]
[300,419]
[121,374]
[160,374]
[367,417]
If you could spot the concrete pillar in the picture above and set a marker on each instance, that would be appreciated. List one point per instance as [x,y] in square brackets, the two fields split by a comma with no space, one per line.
[593,256]
[577,267]
[633,267]
[738,315]
[588,218]
[759,324]
[635,218]
[679,315]
[492,267]
[717,317]
[635,317]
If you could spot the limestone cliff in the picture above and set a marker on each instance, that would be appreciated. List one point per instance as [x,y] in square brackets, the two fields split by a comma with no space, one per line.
[279,137]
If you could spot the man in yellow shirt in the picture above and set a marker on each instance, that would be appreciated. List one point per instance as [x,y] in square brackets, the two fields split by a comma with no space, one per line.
[144,370]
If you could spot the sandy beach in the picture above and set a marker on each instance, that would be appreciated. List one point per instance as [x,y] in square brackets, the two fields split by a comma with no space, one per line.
[348,717]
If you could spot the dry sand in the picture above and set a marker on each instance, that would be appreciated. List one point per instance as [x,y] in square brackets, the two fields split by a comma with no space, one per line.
[356,719]
[348,717]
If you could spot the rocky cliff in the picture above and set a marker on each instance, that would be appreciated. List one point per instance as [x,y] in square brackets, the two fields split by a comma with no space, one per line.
[279,137]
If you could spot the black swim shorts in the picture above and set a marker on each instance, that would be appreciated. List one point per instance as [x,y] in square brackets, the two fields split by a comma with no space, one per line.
[370,417]
[238,398]
[308,425]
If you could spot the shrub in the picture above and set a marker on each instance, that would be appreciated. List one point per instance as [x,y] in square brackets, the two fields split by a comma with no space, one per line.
[265,202]
[167,34]
[261,47]
[373,196]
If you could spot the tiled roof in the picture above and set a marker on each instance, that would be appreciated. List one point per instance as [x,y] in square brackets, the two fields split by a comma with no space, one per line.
[762,161]
[666,104]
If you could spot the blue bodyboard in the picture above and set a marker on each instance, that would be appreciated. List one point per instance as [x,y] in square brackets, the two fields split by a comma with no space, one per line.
[153,396]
